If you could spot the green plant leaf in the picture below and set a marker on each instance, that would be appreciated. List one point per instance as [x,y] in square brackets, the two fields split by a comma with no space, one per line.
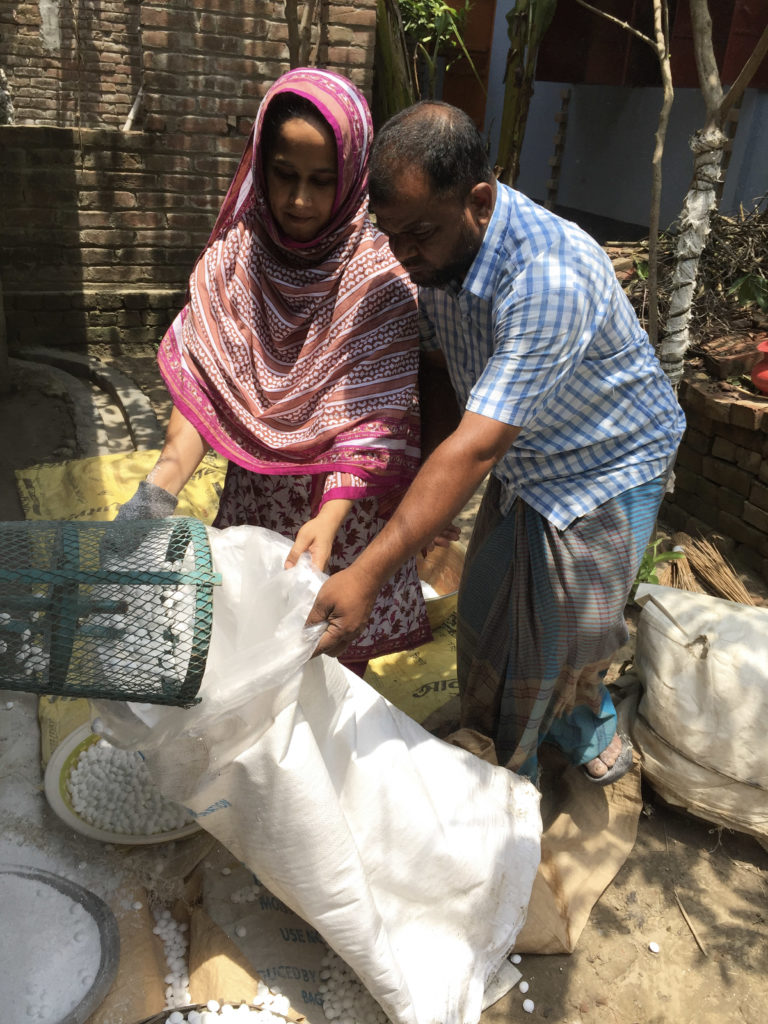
[750,289]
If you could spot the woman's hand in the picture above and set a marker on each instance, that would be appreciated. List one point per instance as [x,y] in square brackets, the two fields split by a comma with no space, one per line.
[314,538]
[318,534]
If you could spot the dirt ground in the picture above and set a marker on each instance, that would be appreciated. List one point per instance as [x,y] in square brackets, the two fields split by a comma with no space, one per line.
[712,964]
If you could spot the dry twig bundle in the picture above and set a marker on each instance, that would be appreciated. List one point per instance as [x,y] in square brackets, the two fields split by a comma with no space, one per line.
[680,574]
[716,571]
[735,254]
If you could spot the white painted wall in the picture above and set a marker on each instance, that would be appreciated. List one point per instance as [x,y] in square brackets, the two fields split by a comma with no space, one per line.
[606,166]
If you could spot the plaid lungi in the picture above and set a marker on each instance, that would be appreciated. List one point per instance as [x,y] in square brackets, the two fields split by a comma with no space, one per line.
[540,616]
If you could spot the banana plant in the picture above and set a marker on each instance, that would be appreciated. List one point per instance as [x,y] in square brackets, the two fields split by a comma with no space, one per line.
[526,24]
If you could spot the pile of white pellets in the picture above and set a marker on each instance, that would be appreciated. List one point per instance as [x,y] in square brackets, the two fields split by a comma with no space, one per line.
[214,1013]
[345,998]
[25,645]
[174,936]
[150,637]
[267,1005]
[143,645]
[113,791]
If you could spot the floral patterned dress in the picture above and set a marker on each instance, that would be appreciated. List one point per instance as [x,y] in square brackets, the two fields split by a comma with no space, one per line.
[282,504]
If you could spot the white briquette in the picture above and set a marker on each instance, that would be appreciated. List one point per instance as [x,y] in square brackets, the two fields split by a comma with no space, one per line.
[516,958]
[523,986]
[528,1005]
[175,947]
[112,790]
[654,947]
[346,1000]
[149,658]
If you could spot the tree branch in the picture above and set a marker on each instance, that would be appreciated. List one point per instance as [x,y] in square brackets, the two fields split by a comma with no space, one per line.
[618,21]
[745,75]
[706,62]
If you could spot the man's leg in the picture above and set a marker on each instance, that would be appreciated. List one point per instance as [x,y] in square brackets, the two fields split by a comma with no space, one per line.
[495,608]
[588,734]
[540,615]
[590,738]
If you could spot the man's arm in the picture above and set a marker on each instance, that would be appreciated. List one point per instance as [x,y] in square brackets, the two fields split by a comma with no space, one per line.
[443,486]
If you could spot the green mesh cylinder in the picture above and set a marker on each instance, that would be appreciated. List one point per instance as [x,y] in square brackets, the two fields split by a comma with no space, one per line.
[121,610]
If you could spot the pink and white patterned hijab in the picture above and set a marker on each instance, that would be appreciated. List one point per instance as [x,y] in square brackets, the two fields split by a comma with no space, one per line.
[293,357]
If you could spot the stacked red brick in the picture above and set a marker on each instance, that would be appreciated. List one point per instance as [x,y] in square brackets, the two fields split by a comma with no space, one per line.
[722,469]
[101,226]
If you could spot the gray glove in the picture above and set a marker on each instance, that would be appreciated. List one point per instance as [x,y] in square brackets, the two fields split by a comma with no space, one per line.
[149,502]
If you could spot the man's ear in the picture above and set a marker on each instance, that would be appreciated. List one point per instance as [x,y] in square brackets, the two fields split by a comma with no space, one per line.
[481,200]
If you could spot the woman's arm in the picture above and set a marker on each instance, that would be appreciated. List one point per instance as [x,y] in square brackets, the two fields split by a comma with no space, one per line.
[156,496]
[318,534]
[181,454]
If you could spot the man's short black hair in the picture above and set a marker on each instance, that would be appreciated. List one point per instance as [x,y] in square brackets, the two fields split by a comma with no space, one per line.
[438,139]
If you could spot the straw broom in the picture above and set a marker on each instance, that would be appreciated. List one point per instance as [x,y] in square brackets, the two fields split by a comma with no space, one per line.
[679,569]
[715,570]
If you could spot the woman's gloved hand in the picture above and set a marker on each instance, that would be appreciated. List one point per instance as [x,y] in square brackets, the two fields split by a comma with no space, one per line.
[149,502]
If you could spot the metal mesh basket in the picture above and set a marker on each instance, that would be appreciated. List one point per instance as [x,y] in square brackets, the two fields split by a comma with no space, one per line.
[119,610]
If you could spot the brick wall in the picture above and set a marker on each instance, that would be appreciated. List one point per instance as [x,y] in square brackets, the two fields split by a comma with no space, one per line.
[721,475]
[201,67]
[101,226]
[94,214]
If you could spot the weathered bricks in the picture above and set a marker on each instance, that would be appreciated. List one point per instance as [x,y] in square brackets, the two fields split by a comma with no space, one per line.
[88,205]
[721,474]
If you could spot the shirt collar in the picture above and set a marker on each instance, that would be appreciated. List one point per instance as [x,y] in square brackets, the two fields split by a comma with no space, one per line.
[478,280]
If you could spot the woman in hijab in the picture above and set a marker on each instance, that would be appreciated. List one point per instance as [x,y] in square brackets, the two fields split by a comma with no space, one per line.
[296,355]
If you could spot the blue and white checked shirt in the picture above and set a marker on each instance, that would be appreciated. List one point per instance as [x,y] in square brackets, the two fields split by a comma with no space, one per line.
[541,336]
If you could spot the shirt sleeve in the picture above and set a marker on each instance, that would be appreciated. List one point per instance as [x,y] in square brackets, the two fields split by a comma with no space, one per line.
[541,330]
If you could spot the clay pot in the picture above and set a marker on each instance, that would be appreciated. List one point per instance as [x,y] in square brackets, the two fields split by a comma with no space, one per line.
[760,369]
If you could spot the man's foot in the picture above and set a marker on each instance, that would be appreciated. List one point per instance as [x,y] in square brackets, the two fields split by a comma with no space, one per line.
[611,763]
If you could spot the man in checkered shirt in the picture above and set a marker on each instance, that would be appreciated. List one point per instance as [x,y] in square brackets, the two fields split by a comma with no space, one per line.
[559,396]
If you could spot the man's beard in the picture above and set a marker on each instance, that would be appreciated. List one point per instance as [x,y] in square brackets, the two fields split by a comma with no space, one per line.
[455,270]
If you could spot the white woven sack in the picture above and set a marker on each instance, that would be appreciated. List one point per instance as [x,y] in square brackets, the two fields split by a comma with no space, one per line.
[701,721]
[412,858]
